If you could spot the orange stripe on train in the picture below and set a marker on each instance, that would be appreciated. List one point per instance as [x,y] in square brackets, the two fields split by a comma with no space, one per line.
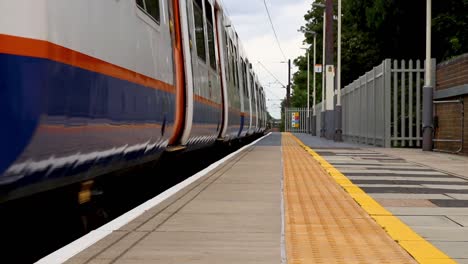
[43,49]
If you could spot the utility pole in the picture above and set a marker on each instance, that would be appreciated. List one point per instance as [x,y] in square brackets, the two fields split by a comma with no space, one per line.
[288,88]
[311,126]
[338,109]
[314,118]
[308,92]
[330,72]
[428,122]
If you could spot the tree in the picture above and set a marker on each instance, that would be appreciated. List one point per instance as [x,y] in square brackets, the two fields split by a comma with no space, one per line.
[374,30]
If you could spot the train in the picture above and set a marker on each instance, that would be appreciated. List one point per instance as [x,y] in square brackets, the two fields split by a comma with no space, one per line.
[92,87]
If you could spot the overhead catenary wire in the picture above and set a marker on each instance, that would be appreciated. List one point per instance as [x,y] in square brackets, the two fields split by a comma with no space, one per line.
[272,75]
[274,30]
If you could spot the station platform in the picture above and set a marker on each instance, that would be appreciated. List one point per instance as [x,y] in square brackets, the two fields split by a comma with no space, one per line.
[294,199]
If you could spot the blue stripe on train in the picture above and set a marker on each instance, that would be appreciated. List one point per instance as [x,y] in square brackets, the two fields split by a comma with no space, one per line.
[22,81]
[34,89]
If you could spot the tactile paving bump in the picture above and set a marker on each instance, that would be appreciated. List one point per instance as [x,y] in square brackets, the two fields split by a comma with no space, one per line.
[323,223]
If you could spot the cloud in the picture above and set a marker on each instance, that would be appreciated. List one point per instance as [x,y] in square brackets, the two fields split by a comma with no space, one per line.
[251,23]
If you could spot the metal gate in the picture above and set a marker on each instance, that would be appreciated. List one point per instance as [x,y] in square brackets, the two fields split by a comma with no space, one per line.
[297,120]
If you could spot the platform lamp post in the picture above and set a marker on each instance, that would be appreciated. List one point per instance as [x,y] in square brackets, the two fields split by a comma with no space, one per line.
[322,112]
[428,122]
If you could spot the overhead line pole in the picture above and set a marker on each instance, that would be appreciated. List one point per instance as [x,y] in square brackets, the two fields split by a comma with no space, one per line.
[314,119]
[338,110]
[288,88]
[428,122]
[322,114]
[324,37]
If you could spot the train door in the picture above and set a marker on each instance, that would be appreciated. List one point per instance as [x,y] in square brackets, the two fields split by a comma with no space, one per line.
[179,70]
[221,47]
[204,97]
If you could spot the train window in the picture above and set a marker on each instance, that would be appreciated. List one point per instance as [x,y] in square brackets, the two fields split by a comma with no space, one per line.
[151,8]
[244,79]
[233,65]
[211,39]
[236,68]
[199,29]
[252,85]
[141,3]
[226,57]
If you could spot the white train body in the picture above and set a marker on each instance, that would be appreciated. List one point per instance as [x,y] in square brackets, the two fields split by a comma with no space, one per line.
[89,87]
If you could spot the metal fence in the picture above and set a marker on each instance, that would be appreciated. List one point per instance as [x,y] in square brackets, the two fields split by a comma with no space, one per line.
[381,108]
[296,120]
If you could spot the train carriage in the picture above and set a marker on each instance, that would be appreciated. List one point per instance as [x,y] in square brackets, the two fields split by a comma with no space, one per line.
[90,87]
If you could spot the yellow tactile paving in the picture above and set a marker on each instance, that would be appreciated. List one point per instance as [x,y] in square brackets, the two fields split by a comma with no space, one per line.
[415,245]
[323,222]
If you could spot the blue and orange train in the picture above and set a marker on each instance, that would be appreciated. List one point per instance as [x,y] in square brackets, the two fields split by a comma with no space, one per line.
[90,87]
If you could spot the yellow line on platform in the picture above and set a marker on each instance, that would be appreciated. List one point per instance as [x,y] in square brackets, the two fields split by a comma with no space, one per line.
[419,248]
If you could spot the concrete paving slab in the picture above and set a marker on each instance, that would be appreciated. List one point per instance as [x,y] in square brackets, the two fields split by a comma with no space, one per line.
[405,182]
[404,178]
[428,211]
[199,247]
[455,164]
[440,186]
[455,234]
[396,172]
[405,203]
[391,185]
[409,196]
[450,203]
[230,207]
[222,222]
[458,196]
[429,220]
[454,249]
[412,190]
[460,219]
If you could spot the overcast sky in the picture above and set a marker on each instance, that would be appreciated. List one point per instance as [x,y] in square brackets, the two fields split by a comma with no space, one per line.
[251,23]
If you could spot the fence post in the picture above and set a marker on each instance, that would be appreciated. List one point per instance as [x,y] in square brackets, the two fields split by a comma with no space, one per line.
[403,104]
[410,103]
[374,115]
[418,103]
[387,102]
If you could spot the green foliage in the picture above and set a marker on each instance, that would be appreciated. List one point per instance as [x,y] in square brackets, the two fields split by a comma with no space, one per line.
[374,30]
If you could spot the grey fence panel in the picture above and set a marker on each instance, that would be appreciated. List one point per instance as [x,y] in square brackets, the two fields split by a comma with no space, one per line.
[383,107]
[318,120]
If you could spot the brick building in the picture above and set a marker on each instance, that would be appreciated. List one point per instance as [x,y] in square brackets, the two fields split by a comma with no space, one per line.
[451,122]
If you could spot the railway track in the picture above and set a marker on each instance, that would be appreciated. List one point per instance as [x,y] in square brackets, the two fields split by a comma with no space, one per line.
[33,227]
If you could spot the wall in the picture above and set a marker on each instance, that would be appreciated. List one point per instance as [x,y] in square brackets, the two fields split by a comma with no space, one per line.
[452,85]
